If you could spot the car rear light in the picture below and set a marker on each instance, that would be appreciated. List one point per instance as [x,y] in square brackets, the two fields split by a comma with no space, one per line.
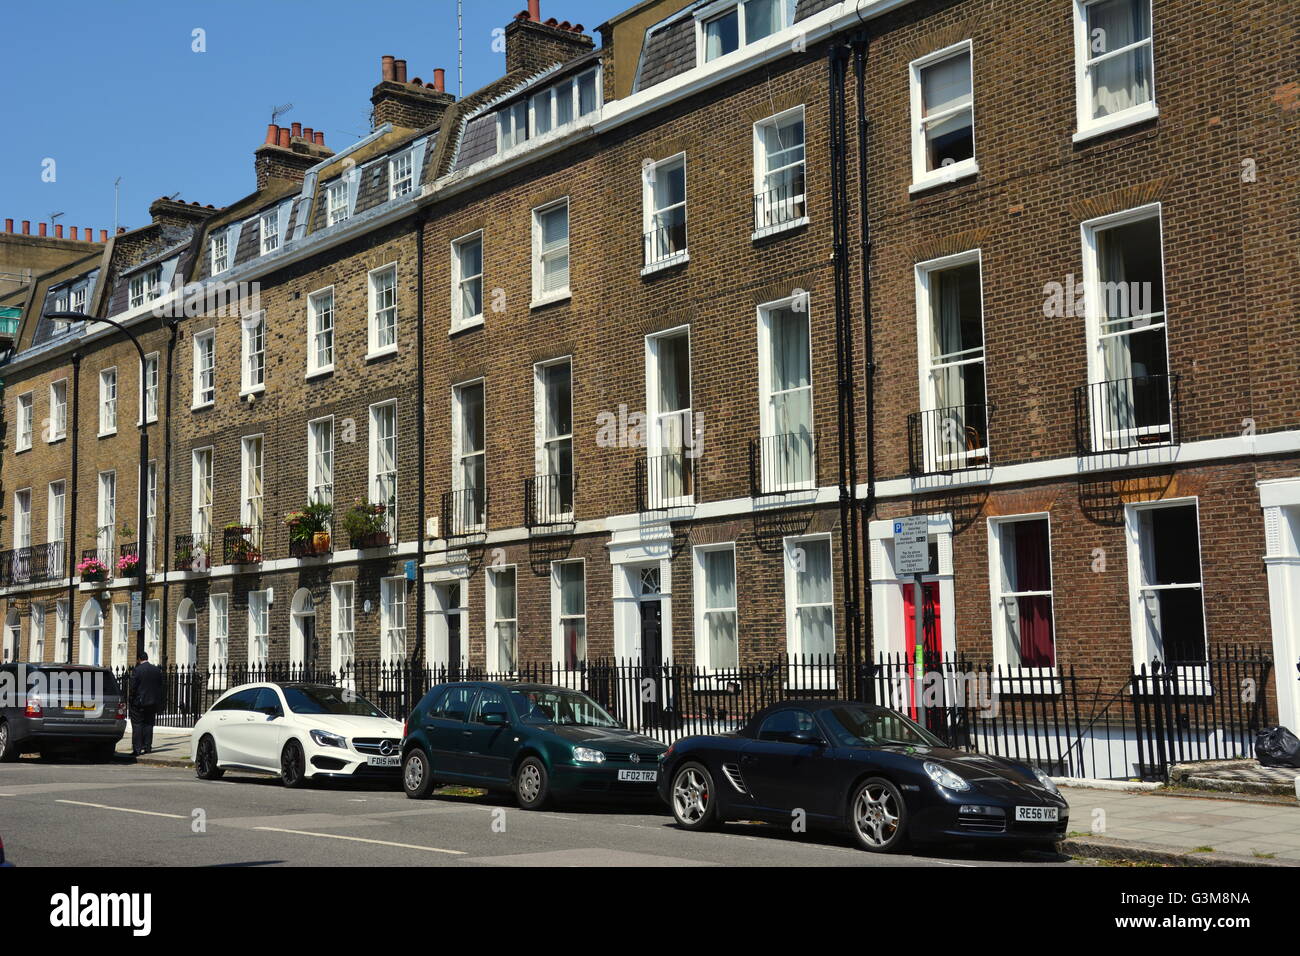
[33,708]
[121,709]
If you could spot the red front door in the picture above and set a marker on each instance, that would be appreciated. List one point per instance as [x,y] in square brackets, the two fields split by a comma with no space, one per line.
[930,633]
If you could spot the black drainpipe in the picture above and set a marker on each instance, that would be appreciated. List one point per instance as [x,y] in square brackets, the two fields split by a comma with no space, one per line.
[837,57]
[420,439]
[173,325]
[864,229]
[70,545]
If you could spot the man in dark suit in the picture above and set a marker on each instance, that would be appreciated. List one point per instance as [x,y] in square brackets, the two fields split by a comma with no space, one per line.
[146,698]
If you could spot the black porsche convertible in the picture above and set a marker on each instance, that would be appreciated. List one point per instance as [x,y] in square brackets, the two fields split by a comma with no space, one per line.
[867,769]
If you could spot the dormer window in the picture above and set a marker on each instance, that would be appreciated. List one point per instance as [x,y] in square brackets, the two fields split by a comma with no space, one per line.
[336,202]
[512,126]
[220,252]
[401,175]
[727,26]
[560,104]
[144,287]
[270,225]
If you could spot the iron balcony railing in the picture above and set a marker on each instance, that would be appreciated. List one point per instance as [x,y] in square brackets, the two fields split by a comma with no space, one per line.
[242,544]
[194,552]
[779,464]
[780,205]
[548,500]
[1126,414]
[124,553]
[951,439]
[665,242]
[666,481]
[33,564]
[464,512]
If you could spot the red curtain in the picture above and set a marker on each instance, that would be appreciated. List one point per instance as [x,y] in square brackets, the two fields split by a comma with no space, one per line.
[1034,573]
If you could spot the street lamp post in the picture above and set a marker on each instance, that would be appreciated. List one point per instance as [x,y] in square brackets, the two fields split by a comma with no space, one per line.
[143,543]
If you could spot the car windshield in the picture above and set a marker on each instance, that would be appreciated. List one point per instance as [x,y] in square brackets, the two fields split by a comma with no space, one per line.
[329,700]
[561,707]
[875,727]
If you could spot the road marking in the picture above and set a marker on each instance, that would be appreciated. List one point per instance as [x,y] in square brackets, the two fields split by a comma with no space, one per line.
[339,836]
[104,806]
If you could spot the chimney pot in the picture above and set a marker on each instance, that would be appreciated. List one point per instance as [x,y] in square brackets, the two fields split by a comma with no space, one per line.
[73,233]
[9,225]
[399,71]
[535,10]
[386,72]
[103,235]
[320,137]
[439,79]
[41,228]
[272,134]
[27,227]
[58,231]
[284,136]
[297,130]
[308,134]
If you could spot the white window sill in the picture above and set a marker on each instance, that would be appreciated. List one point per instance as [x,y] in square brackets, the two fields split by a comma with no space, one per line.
[676,259]
[56,439]
[1129,117]
[560,295]
[254,390]
[107,434]
[147,421]
[381,353]
[465,325]
[22,449]
[776,230]
[199,406]
[944,175]
[319,372]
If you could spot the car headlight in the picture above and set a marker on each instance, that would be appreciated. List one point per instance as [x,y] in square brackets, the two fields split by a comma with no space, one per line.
[324,738]
[945,777]
[1046,781]
[587,755]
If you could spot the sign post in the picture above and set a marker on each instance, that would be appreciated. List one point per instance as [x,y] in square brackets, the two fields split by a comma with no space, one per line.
[912,557]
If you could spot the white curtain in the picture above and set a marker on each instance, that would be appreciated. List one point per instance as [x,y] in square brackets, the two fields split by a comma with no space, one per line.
[814,595]
[1117,357]
[719,606]
[1121,81]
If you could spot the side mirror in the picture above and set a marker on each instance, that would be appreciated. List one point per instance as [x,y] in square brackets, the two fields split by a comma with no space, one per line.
[493,719]
[806,737]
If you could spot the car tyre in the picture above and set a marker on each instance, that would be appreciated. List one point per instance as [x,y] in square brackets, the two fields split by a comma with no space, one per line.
[103,753]
[694,800]
[293,766]
[877,816]
[532,785]
[205,761]
[8,749]
[417,774]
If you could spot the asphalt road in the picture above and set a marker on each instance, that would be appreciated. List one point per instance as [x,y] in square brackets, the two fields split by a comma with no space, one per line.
[83,814]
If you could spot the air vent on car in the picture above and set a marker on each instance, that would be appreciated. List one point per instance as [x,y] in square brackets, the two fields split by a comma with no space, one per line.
[732,772]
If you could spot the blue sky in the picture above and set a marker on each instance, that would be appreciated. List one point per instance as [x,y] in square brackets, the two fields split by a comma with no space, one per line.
[110,88]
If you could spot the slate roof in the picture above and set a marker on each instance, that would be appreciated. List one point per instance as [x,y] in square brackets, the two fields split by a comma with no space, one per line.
[807,8]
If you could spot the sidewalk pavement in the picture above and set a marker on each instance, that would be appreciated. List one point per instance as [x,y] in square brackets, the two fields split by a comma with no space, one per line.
[171,747]
[1163,827]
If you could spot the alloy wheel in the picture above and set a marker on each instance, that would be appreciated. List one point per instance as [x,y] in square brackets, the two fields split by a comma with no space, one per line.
[690,796]
[876,815]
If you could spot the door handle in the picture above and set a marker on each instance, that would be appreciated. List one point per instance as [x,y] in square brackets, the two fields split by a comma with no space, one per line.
[467,733]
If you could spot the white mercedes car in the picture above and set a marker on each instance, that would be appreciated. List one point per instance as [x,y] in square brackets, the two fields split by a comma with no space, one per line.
[299,731]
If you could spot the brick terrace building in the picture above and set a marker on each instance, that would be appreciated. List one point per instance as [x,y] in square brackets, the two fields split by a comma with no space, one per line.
[621,291]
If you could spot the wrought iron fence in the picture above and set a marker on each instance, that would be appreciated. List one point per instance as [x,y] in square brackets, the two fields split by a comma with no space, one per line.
[665,481]
[665,243]
[242,544]
[779,464]
[464,512]
[34,564]
[780,205]
[194,552]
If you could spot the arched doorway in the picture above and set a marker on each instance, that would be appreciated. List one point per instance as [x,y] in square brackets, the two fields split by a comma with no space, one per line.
[92,633]
[302,632]
[187,634]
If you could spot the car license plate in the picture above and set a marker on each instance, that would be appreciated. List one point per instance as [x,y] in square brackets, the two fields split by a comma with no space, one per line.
[638,776]
[393,761]
[1036,814]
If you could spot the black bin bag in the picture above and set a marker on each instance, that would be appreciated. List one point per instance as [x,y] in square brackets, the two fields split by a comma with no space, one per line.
[1277,747]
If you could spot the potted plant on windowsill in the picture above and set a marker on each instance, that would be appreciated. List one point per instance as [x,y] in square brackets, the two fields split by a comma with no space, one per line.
[309,528]
[92,569]
[364,524]
[239,546]
[128,565]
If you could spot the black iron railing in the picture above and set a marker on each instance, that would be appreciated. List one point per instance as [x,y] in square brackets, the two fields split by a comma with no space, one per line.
[464,512]
[194,552]
[34,564]
[666,481]
[548,500]
[780,205]
[779,464]
[242,544]
[125,566]
[950,439]
[665,242]
[1126,414]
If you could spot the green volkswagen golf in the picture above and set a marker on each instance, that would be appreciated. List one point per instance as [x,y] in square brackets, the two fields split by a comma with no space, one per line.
[545,744]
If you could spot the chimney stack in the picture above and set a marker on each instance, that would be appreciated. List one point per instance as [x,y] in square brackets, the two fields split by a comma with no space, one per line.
[9,225]
[288,152]
[408,104]
[532,46]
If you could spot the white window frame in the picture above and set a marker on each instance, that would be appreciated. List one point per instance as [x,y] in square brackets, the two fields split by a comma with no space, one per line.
[713,11]
[793,635]
[459,320]
[373,310]
[539,255]
[151,514]
[998,598]
[700,584]
[653,432]
[316,331]
[336,202]
[204,393]
[56,516]
[541,441]
[923,178]
[149,381]
[373,483]
[512,126]
[1088,127]
[106,517]
[767,423]
[200,511]
[1094,297]
[108,402]
[252,469]
[558,617]
[220,252]
[392,618]
[252,329]
[218,638]
[458,454]
[650,213]
[1193,680]
[493,657]
[143,287]
[343,651]
[259,627]
[25,419]
[268,228]
[318,455]
[406,156]
[58,410]
[925,305]
[23,518]
[762,173]
[37,632]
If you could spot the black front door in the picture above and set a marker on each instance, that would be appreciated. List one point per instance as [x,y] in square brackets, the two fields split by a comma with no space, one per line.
[453,644]
[652,679]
